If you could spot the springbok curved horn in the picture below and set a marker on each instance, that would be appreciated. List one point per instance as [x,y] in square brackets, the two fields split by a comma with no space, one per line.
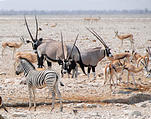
[73,46]
[22,38]
[28,29]
[62,46]
[36,28]
[98,37]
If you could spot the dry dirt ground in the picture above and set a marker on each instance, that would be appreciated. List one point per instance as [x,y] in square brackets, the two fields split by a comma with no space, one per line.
[82,97]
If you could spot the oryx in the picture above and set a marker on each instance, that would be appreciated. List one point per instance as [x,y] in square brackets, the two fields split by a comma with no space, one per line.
[52,50]
[90,57]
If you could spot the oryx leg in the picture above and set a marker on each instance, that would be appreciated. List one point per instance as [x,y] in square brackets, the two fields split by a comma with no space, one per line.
[40,61]
[75,72]
[93,70]
[49,64]
[89,69]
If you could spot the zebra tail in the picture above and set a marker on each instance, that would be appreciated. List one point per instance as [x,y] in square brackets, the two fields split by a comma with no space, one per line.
[61,83]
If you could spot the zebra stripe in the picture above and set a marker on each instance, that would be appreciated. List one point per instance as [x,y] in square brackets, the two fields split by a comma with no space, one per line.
[39,79]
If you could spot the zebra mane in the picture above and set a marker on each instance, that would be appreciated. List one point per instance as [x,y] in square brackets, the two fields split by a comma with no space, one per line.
[28,62]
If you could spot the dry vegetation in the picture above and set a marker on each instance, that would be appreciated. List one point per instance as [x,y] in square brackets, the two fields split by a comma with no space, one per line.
[83,98]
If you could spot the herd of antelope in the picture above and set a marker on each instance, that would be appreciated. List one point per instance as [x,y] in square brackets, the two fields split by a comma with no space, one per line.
[69,57]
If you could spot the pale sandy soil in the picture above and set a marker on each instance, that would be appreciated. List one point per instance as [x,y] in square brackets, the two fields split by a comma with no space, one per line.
[88,99]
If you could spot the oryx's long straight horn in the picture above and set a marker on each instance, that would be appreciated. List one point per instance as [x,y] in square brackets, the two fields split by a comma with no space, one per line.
[28,29]
[62,45]
[73,46]
[98,37]
[36,28]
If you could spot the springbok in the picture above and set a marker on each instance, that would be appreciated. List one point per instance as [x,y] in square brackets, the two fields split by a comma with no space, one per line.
[116,67]
[12,45]
[126,56]
[125,36]
[53,51]
[148,52]
[131,69]
[141,60]
[112,69]
[32,57]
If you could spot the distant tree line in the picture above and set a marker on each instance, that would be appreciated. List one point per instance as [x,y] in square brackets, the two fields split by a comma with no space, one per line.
[74,12]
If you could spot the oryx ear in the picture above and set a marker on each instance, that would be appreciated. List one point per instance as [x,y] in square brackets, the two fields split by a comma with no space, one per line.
[60,62]
[147,50]
[40,39]
[28,41]
[127,51]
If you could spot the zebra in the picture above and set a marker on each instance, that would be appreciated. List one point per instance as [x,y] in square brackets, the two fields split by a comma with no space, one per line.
[39,79]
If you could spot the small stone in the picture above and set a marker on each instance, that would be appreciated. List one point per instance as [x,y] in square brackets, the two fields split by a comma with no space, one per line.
[91,105]
[136,114]
[79,106]
[144,105]
[18,114]
[9,99]
[149,101]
